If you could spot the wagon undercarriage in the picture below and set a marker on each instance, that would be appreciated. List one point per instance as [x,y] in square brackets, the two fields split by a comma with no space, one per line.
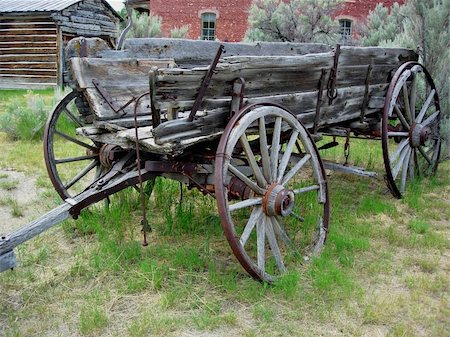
[242,130]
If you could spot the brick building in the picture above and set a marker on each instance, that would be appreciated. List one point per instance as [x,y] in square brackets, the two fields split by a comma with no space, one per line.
[226,20]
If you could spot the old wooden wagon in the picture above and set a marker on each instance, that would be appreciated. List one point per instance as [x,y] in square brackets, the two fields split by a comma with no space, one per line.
[239,122]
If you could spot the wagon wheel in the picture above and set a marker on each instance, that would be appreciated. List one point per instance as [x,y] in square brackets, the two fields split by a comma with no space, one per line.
[410,127]
[271,190]
[72,163]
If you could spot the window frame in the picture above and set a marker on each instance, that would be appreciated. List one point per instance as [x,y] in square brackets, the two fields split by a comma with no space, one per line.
[346,29]
[208,32]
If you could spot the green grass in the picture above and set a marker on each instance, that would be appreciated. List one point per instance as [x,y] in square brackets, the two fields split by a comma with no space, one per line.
[382,268]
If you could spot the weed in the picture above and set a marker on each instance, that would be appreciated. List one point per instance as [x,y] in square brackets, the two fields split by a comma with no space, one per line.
[418,226]
[264,313]
[92,319]
[9,185]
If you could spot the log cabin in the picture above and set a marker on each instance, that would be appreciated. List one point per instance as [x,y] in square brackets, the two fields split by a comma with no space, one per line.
[34,33]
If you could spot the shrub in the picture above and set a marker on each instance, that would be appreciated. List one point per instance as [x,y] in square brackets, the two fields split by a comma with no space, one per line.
[27,122]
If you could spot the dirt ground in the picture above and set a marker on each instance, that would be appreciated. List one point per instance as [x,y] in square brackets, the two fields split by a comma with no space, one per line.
[25,193]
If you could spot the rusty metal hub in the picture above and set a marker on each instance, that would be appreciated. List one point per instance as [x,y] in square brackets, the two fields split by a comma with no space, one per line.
[108,154]
[419,135]
[278,201]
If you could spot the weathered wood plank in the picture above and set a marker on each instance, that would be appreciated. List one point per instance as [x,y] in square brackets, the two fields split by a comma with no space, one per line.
[117,72]
[31,65]
[28,58]
[27,50]
[55,216]
[7,261]
[33,38]
[24,71]
[7,82]
[31,44]
[27,31]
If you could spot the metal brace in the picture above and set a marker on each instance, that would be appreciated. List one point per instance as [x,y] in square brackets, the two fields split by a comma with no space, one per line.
[202,91]
[331,86]
[107,97]
[319,100]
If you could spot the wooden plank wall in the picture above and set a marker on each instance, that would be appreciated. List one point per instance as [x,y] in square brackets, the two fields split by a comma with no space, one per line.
[88,18]
[28,52]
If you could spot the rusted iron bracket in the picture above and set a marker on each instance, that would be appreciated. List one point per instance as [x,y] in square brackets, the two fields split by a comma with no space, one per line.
[319,100]
[331,86]
[202,91]
[107,97]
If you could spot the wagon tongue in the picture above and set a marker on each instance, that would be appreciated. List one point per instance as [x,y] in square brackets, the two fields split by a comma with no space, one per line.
[122,174]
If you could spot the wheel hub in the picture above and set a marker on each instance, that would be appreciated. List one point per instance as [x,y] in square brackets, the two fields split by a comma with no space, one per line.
[418,135]
[278,201]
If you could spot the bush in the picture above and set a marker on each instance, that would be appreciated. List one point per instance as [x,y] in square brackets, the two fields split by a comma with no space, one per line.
[26,122]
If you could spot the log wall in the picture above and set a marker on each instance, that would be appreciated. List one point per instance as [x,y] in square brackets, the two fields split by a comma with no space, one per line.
[32,44]
[28,52]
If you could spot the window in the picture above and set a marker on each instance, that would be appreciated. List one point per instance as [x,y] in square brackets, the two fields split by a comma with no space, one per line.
[208,26]
[345,29]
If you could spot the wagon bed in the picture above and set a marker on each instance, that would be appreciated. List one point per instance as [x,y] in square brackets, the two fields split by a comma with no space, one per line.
[292,80]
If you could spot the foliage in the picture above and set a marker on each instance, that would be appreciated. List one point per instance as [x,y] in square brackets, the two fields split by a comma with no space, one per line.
[26,122]
[293,21]
[419,25]
[382,25]
[143,25]
[179,32]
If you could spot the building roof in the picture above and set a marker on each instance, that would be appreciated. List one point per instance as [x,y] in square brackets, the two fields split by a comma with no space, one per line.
[41,6]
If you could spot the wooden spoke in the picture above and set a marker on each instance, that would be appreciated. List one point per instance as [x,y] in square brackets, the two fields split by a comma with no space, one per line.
[264,148]
[281,232]
[293,171]
[254,218]
[287,155]
[81,174]
[406,102]
[425,106]
[400,162]
[76,141]
[306,189]
[73,118]
[431,118]
[412,160]
[425,155]
[75,159]
[274,245]
[246,180]
[413,94]
[399,149]
[402,118]
[405,168]
[260,242]
[298,217]
[275,147]
[245,203]
[398,134]
[252,161]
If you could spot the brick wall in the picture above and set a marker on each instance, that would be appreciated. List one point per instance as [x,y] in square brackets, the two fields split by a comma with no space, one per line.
[232,15]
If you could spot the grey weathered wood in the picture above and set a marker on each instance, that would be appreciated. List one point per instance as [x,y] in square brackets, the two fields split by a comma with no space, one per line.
[55,216]
[7,261]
